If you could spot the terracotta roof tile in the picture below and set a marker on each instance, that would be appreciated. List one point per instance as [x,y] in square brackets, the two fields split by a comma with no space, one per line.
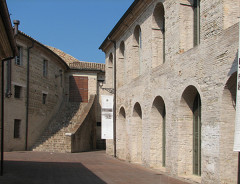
[74,63]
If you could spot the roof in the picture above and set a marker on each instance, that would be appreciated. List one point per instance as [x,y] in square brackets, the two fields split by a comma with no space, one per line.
[45,47]
[8,26]
[74,63]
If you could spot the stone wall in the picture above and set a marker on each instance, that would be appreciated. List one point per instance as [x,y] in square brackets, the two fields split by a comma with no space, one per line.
[83,137]
[207,69]
[51,86]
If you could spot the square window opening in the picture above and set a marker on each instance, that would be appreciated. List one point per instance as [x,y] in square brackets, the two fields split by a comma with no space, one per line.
[17,91]
[44,98]
[17,124]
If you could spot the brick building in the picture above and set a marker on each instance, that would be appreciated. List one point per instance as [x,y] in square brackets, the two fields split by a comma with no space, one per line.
[176,85]
[51,100]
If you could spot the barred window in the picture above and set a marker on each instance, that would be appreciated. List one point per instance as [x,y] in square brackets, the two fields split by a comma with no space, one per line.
[18,59]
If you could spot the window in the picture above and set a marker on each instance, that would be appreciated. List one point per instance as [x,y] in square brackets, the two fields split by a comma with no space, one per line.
[137,50]
[189,15]
[196,24]
[17,91]
[197,135]
[45,68]
[44,98]
[121,66]
[99,124]
[18,59]
[110,62]
[158,35]
[17,123]
[164,137]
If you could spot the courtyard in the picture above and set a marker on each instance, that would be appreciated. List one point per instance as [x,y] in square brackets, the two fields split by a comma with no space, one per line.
[86,168]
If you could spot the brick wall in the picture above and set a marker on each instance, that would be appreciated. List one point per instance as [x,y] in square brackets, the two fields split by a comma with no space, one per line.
[204,69]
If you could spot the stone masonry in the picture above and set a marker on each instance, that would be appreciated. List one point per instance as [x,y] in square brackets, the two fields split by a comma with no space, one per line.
[160,72]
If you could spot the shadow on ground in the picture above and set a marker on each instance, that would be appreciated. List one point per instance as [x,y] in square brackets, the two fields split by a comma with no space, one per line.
[24,172]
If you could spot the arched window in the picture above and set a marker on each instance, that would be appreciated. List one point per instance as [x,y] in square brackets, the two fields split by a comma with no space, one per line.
[196,10]
[122,49]
[137,51]
[109,74]
[189,17]
[110,60]
[121,65]
[158,28]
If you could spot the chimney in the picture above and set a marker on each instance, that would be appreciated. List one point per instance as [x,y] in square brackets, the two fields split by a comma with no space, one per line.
[16,23]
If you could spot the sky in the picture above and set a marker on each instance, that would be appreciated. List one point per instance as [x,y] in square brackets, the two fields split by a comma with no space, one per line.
[77,27]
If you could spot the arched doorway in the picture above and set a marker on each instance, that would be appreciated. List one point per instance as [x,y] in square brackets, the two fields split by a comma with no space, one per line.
[158,134]
[136,134]
[189,134]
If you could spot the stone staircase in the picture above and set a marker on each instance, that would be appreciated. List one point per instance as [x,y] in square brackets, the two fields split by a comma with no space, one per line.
[55,136]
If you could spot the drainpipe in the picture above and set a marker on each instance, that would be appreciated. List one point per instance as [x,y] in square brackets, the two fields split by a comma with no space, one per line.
[9,79]
[114,97]
[16,23]
[27,95]
[2,114]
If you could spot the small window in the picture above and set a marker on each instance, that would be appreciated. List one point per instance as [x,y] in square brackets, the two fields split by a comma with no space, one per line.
[110,61]
[99,124]
[17,91]
[45,68]
[17,123]
[44,98]
[18,59]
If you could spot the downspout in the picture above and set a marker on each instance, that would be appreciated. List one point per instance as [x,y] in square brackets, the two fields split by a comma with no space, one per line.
[27,95]
[16,23]
[2,114]
[115,99]
[9,79]
[114,96]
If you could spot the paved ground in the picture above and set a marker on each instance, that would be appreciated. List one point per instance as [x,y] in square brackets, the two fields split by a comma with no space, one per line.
[76,168]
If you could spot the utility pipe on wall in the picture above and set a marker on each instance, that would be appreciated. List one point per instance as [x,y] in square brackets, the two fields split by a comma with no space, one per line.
[2,114]
[27,95]
[114,96]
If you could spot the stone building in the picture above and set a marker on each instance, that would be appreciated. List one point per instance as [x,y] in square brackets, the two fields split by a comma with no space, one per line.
[176,66]
[8,50]
[51,100]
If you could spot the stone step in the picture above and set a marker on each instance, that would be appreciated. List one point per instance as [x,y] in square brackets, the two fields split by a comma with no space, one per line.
[53,138]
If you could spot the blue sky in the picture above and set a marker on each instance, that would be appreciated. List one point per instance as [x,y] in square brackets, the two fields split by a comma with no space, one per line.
[77,27]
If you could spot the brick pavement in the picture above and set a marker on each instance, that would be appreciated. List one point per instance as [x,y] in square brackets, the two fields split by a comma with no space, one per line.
[76,168]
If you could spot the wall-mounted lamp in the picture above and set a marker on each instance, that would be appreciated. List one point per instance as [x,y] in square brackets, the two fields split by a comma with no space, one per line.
[110,90]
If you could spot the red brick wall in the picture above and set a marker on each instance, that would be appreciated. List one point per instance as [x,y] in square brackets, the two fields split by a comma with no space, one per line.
[78,89]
